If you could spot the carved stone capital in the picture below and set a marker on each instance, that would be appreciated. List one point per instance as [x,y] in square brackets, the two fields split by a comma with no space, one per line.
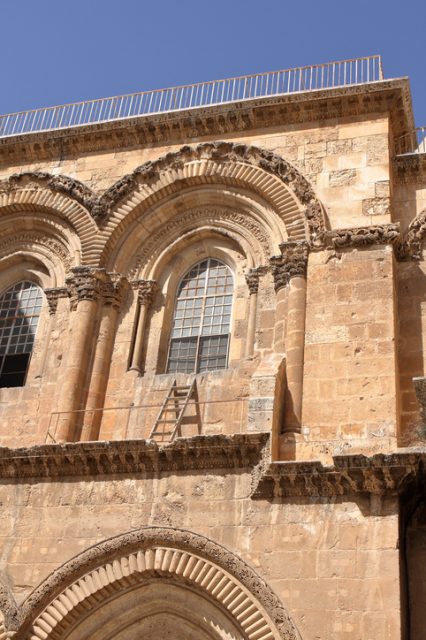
[364,236]
[86,283]
[146,291]
[252,279]
[52,297]
[292,262]
[112,290]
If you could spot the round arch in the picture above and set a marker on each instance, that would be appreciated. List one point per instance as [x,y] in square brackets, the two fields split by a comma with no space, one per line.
[58,197]
[255,170]
[244,603]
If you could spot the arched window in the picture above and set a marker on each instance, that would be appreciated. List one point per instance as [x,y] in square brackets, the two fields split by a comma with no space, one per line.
[200,332]
[19,313]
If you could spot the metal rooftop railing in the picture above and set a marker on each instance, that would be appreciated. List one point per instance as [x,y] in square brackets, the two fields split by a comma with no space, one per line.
[312,78]
[412,142]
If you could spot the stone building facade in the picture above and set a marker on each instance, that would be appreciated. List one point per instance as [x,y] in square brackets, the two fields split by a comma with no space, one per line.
[271,250]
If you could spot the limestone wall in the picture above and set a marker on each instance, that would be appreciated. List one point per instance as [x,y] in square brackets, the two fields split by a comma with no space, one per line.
[334,563]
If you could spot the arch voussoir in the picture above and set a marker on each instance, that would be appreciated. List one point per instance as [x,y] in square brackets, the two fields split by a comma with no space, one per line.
[136,558]
[257,170]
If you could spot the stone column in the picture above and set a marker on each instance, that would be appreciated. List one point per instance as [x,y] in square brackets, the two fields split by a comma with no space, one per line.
[111,293]
[146,291]
[289,270]
[52,297]
[252,279]
[84,290]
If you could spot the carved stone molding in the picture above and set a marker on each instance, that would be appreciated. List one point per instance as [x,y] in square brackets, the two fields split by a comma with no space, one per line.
[364,236]
[146,291]
[59,183]
[53,295]
[381,474]
[29,239]
[223,153]
[149,172]
[219,219]
[292,262]
[154,553]
[133,456]
[411,244]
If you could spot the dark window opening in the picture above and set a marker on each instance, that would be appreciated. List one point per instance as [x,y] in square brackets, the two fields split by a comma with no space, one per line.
[20,308]
[202,315]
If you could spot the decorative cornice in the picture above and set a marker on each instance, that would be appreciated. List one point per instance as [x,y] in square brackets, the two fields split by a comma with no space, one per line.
[146,291]
[350,474]
[133,456]
[387,96]
[364,236]
[53,295]
[292,262]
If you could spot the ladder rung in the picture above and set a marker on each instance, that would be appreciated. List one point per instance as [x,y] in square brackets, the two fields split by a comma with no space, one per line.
[161,420]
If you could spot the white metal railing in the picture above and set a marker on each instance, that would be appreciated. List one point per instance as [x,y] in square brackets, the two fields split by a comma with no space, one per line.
[412,142]
[260,85]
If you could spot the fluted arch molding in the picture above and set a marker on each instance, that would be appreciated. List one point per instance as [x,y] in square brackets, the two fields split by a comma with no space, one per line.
[56,196]
[145,554]
[257,170]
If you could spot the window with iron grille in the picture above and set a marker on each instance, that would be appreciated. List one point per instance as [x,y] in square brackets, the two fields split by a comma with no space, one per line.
[202,315]
[20,308]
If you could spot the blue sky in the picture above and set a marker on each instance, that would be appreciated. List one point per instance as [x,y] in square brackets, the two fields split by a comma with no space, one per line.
[56,51]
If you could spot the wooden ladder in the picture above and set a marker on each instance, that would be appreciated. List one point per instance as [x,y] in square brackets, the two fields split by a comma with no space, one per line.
[172,416]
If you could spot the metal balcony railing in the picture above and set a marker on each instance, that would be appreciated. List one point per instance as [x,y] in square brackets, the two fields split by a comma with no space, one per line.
[412,142]
[141,418]
[311,78]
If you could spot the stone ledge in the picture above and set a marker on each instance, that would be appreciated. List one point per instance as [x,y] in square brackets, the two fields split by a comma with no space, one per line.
[133,456]
[351,474]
